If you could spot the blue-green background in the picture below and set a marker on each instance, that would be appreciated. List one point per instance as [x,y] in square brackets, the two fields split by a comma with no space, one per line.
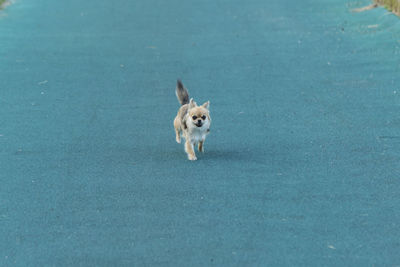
[301,166]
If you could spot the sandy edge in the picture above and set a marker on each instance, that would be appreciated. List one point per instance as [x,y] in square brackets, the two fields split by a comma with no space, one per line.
[372,6]
[5,4]
[362,9]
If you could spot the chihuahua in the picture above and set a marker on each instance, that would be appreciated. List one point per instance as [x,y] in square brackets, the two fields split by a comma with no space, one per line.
[192,122]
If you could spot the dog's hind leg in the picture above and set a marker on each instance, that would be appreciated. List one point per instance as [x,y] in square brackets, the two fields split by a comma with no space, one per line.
[201,143]
[177,126]
[178,136]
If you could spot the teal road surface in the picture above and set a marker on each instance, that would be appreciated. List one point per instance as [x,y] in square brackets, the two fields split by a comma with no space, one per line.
[301,167]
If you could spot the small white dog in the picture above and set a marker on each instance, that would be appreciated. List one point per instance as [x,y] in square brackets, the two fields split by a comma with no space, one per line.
[192,122]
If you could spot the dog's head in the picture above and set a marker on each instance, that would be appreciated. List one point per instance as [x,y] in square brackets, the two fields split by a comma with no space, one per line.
[199,116]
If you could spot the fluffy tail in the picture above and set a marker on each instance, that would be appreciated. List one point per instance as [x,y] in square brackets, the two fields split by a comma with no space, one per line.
[182,93]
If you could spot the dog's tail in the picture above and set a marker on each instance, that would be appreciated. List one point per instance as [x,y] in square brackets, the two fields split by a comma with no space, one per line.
[182,93]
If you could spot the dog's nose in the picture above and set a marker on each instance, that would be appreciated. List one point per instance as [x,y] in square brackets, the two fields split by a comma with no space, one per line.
[199,121]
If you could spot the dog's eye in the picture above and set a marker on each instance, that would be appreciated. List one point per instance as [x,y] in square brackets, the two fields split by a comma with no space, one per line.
[203,117]
[194,117]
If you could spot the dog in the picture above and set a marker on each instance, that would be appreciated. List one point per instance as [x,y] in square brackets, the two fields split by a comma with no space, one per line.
[192,122]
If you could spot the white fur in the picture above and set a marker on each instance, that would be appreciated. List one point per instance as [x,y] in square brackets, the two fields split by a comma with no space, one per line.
[196,134]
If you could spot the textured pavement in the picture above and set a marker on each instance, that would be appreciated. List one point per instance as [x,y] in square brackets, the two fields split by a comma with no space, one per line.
[301,167]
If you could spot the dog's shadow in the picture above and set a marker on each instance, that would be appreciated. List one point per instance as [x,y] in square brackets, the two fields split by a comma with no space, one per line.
[225,155]
[207,156]
[172,153]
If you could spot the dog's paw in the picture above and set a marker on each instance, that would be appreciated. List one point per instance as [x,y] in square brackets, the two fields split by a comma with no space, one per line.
[178,140]
[192,157]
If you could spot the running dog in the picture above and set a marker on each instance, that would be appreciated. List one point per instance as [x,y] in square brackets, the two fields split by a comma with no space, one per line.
[192,122]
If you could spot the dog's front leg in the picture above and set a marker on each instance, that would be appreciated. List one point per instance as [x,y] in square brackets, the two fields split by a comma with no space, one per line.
[190,150]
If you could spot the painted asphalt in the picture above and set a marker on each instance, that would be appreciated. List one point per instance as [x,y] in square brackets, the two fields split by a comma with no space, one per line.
[301,167]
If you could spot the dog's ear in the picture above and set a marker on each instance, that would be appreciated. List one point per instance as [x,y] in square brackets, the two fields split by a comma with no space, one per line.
[192,104]
[206,105]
